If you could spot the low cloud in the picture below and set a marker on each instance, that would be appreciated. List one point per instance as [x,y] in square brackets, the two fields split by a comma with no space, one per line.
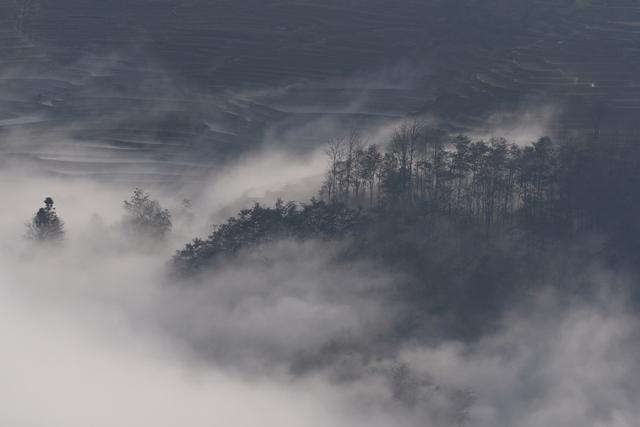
[96,333]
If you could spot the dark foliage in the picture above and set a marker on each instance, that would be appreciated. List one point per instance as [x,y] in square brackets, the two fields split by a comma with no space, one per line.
[470,224]
[46,226]
[260,225]
[430,183]
[546,189]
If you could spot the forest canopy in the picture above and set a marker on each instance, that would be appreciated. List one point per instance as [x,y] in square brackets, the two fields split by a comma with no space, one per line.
[463,220]
[546,190]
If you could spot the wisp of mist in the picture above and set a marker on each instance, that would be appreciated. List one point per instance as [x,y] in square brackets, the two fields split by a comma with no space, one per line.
[95,332]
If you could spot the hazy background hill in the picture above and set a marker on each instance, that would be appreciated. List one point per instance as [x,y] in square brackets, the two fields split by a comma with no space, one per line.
[174,86]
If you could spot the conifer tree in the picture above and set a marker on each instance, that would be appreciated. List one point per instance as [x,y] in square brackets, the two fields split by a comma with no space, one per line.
[45,224]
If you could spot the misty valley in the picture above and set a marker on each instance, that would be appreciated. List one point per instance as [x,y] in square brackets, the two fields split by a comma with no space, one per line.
[296,213]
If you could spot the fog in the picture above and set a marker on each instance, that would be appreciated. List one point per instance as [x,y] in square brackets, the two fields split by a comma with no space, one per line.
[97,332]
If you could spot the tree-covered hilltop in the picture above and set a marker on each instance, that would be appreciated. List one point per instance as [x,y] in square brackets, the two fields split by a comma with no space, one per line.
[547,188]
[468,223]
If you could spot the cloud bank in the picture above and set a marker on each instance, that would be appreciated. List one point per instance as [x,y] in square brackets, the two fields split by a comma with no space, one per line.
[94,332]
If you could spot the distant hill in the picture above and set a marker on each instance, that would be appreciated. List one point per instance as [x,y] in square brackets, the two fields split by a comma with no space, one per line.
[141,72]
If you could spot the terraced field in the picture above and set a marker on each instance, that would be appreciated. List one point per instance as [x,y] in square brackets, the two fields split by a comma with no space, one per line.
[154,89]
[151,90]
[114,117]
[584,64]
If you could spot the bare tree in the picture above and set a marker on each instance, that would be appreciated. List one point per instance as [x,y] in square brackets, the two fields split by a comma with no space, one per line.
[353,146]
[369,163]
[335,154]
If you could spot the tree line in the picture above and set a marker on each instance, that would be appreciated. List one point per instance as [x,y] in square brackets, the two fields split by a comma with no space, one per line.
[467,223]
[546,186]
[421,183]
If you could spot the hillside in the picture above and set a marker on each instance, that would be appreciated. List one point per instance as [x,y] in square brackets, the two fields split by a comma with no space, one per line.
[177,87]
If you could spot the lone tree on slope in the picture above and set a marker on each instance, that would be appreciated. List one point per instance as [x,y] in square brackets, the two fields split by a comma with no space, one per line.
[45,224]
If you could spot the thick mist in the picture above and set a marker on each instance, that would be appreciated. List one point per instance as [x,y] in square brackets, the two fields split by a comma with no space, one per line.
[97,332]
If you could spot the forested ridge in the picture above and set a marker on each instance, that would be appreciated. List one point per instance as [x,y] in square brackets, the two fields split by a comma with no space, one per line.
[547,188]
[469,223]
